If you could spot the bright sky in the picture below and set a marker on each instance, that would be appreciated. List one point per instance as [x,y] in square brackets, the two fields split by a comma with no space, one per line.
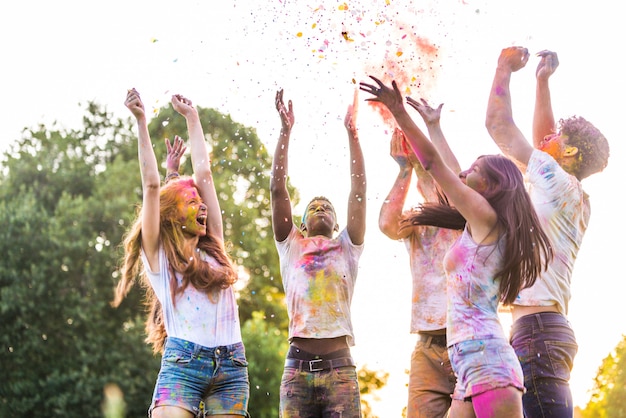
[233,56]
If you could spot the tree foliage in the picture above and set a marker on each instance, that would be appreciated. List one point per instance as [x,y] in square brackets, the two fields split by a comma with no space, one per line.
[608,399]
[369,383]
[66,199]
[61,341]
[266,348]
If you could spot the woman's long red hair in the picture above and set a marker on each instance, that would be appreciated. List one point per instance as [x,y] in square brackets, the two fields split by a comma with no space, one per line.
[184,259]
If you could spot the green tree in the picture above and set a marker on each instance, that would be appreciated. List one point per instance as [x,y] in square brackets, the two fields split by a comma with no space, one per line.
[266,348]
[369,383]
[608,398]
[66,198]
[61,341]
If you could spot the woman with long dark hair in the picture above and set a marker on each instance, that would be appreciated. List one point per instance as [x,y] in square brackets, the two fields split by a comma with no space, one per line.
[502,249]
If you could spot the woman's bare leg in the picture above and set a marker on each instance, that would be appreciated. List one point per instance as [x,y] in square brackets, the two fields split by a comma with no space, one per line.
[501,402]
[461,409]
[171,412]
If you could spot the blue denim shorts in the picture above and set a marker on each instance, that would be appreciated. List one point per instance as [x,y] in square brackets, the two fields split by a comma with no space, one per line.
[484,365]
[203,380]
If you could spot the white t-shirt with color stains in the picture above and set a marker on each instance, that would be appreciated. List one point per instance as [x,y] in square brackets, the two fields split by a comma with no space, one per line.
[473,290]
[563,210]
[210,321]
[427,247]
[318,275]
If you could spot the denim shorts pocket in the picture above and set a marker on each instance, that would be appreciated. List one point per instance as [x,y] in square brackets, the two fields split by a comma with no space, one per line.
[177,356]
[561,356]
[507,353]
[239,361]
[471,347]
[345,374]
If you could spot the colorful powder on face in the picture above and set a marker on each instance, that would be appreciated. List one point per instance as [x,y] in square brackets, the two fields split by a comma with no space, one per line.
[188,202]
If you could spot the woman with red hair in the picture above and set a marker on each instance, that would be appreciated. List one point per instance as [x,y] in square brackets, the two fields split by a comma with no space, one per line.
[194,320]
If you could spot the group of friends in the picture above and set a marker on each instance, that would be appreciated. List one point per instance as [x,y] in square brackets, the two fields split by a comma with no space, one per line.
[505,232]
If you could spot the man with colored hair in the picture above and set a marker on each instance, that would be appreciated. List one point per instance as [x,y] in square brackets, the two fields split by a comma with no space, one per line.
[541,333]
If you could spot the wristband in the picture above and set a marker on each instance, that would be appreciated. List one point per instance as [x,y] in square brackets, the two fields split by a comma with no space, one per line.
[171,175]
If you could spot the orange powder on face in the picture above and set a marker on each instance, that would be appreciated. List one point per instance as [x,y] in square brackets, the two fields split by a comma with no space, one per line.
[552,146]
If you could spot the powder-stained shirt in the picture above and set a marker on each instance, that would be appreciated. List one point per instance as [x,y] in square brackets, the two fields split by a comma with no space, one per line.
[427,246]
[210,321]
[318,276]
[563,210]
[473,290]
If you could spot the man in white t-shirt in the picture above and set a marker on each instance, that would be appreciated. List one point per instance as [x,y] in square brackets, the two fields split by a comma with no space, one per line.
[318,272]
[431,378]
[541,334]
